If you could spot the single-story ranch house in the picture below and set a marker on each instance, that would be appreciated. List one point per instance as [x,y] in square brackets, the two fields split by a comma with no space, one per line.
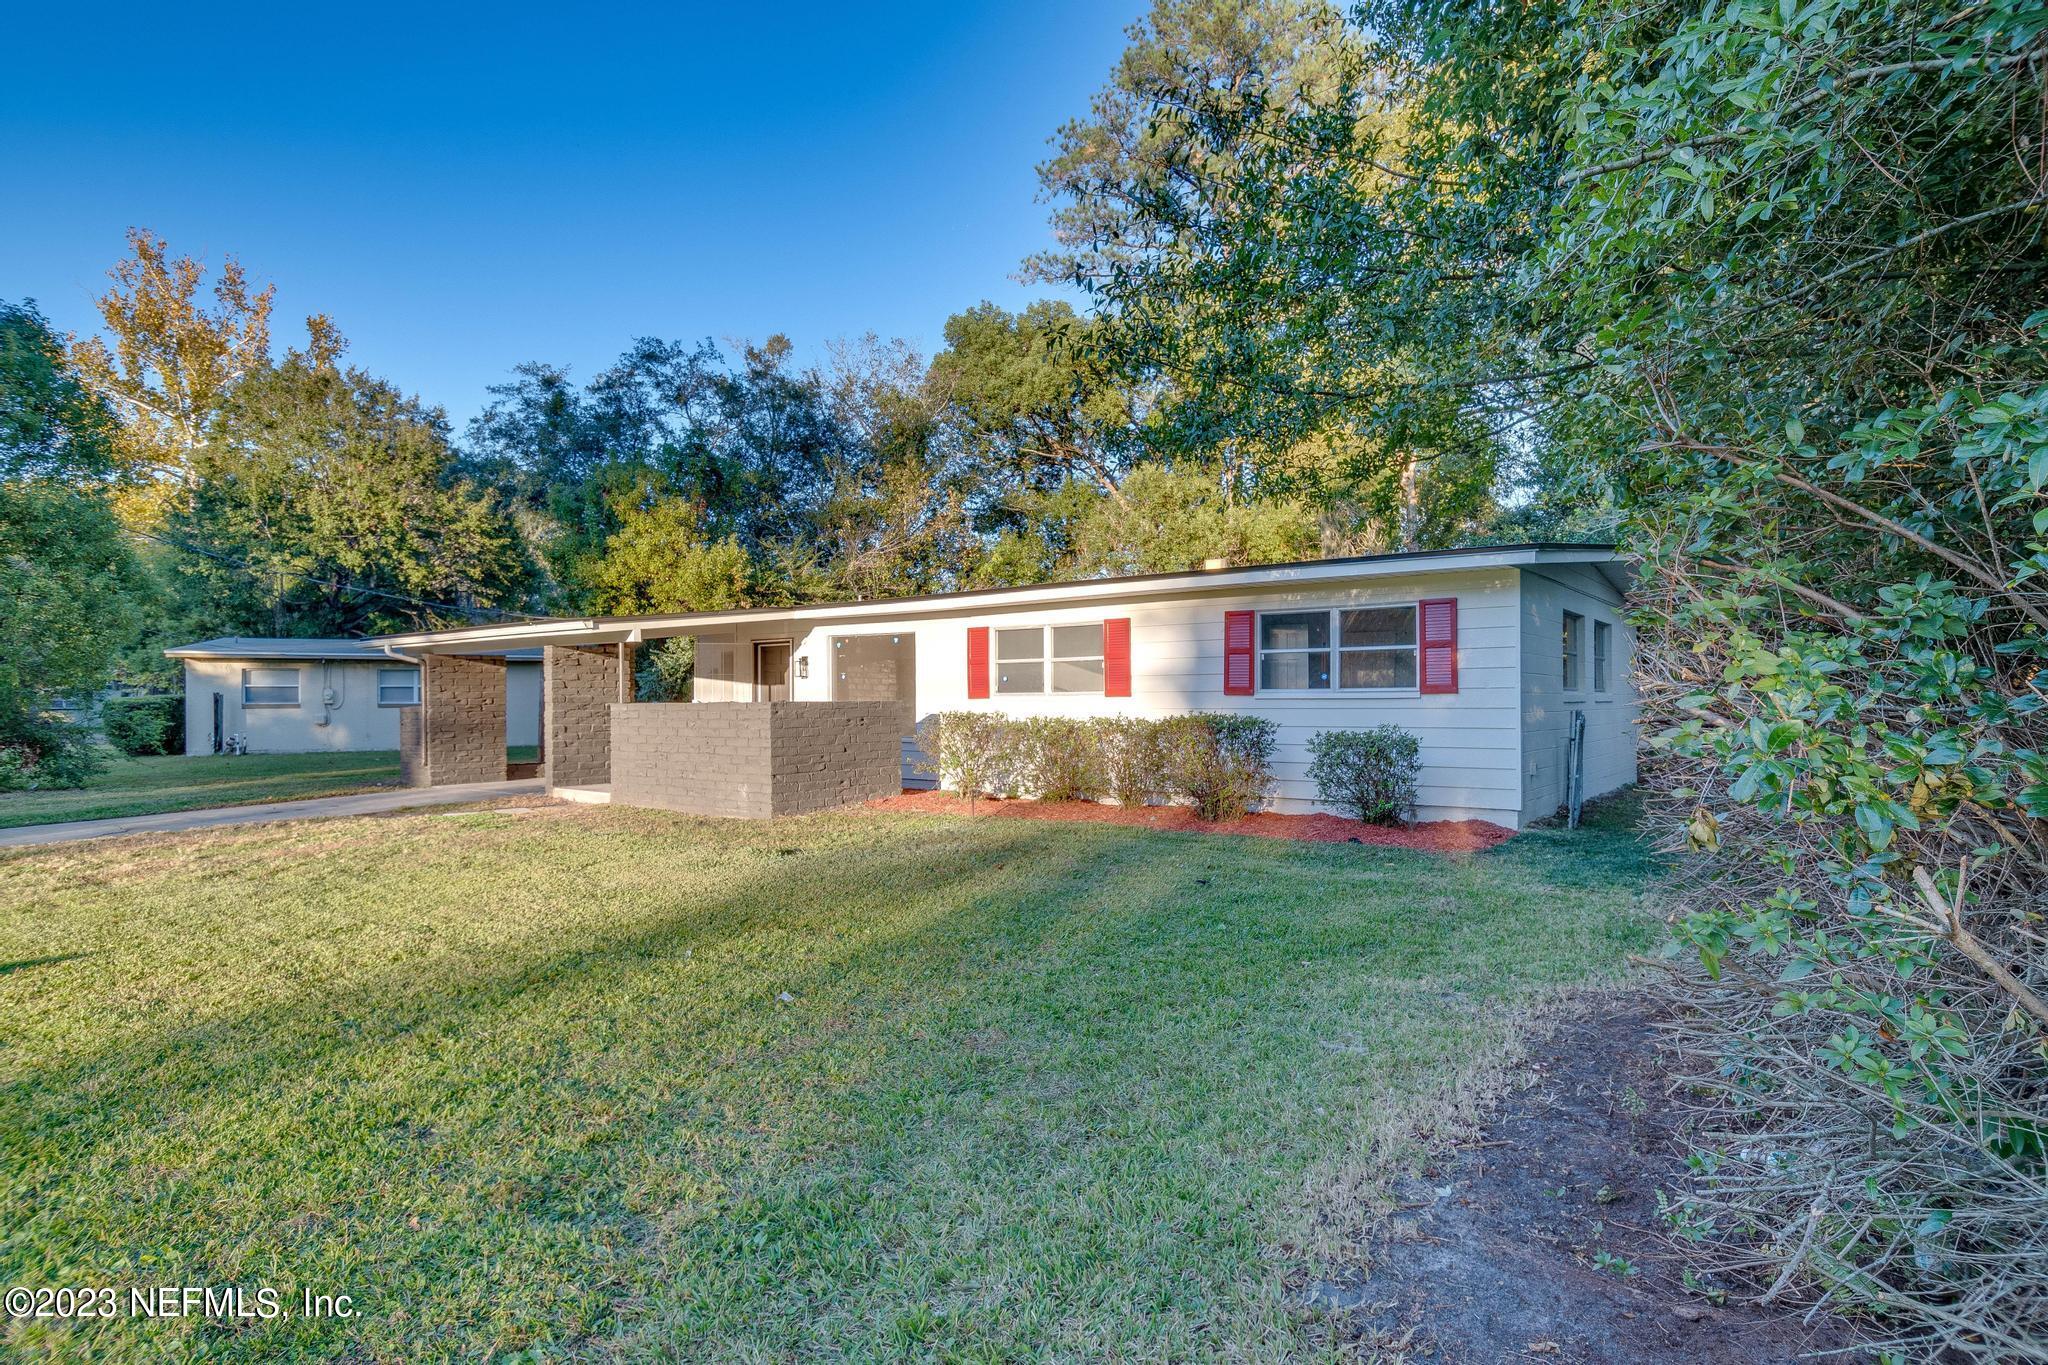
[309,696]
[1495,657]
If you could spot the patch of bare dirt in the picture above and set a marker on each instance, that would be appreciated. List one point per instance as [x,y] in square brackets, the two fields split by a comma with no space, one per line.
[1440,836]
[1541,1240]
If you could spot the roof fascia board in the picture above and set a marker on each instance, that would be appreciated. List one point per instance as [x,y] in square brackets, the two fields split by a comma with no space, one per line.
[1205,582]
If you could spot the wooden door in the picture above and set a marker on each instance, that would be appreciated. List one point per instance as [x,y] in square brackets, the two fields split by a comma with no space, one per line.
[771,670]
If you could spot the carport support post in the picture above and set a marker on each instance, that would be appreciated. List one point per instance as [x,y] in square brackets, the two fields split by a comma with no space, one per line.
[461,720]
[580,684]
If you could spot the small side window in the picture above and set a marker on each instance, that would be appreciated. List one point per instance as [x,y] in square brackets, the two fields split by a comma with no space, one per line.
[398,687]
[270,687]
[1602,644]
[1574,645]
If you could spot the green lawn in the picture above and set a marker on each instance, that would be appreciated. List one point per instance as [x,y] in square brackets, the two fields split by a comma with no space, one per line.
[525,1085]
[149,786]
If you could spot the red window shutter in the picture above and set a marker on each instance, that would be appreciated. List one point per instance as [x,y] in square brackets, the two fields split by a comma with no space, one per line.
[1116,657]
[977,662]
[1439,644]
[1237,653]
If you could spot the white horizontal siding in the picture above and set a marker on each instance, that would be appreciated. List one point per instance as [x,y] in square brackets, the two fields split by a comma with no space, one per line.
[1471,740]
[1611,737]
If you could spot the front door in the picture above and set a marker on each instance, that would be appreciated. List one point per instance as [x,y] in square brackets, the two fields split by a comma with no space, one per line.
[771,670]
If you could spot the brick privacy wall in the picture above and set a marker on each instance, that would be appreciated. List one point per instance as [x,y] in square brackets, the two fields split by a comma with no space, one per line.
[579,686]
[755,760]
[412,763]
[462,703]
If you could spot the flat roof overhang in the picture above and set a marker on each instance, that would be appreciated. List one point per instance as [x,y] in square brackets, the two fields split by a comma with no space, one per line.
[601,630]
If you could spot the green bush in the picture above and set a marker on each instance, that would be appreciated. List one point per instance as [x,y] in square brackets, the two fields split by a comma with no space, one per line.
[39,754]
[1055,758]
[144,725]
[1370,774]
[969,751]
[1127,747]
[1222,764]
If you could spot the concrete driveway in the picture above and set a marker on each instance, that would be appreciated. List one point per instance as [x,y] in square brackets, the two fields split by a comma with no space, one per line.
[315,808]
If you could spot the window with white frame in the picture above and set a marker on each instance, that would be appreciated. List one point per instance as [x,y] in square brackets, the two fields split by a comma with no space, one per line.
[1602,645]
[1574,645]
[1354,649]
[1049,659]
[398,687]
[270,687]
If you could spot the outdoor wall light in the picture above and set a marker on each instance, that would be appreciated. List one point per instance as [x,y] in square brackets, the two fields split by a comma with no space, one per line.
[803,665]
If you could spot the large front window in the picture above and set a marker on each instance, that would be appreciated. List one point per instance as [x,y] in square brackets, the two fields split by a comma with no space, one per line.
[1356,649]
[1049,659]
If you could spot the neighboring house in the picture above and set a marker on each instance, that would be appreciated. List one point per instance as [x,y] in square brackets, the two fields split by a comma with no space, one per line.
[1485,654]
[286,696]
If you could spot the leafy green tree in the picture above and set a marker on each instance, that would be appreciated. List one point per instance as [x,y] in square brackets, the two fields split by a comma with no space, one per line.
[1141,137]
[1803,246]
[752,440]
[1029,402]
[325,504]
[659,560]
[1166,519]
[169,361]
[1769,279]
[896,520]
[1254,207]
[67,577]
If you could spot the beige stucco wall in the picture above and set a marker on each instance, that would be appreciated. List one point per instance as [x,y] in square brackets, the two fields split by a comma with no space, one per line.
[343,692]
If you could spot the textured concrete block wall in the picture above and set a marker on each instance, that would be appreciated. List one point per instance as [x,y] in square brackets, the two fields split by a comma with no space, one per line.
[581,685]
[707,758]
[833,753]
[462,705]
[754,760]
[412,762]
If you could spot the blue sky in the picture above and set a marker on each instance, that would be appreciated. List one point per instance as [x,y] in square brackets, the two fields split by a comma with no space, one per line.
[463,191]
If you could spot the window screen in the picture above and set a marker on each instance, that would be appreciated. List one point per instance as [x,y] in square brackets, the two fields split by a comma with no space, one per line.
[270,687]
[1574,636]
[398,687]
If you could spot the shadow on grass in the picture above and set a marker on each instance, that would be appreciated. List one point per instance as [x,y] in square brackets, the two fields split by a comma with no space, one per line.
[9,968]
[1184,960]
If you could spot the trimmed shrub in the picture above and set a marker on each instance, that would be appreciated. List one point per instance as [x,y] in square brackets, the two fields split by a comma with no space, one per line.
[1055,758]
[1127,748]
[1222,764]
[1370,774]
[139,726]
[970,751]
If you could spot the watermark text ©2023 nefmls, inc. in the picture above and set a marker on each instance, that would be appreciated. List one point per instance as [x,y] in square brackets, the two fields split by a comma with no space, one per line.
[218,1303]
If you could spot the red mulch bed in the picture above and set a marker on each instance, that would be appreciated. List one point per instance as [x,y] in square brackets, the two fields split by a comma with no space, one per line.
[1441,836]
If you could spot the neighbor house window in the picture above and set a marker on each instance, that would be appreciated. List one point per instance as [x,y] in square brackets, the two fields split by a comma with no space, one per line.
[398,687]
[1068,658]
[1602,645]
[1363,649]
[1574,638]
[270,687]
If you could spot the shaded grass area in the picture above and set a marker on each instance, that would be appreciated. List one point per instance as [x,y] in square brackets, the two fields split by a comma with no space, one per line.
[527,1083]
[150,786]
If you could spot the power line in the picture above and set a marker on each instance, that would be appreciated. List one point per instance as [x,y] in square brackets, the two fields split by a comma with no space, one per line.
[333,585]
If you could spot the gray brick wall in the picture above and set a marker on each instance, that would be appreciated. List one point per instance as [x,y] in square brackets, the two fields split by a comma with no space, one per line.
[462,720]
[412,761]
[579,687]
[755,760]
